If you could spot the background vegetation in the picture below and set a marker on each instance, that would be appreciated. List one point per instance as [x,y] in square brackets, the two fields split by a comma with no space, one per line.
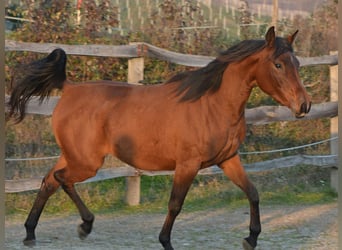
[56,22]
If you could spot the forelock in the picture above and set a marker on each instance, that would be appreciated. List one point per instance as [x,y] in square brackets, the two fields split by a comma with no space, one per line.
[282,46]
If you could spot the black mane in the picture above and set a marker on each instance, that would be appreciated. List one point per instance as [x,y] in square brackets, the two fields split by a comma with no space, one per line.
[194,84]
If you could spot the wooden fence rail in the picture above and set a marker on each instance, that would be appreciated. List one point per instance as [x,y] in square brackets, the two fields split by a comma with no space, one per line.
[260,115]
[21,185]
[140,50]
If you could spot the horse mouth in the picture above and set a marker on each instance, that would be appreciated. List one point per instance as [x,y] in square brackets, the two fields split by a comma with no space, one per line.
[300,115]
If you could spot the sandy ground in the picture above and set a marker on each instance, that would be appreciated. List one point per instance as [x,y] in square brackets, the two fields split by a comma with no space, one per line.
[289,227]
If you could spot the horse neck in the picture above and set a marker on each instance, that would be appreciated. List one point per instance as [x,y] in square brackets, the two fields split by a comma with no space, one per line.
[237,83]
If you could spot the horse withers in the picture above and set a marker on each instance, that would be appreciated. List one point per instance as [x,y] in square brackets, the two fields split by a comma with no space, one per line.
[192,121]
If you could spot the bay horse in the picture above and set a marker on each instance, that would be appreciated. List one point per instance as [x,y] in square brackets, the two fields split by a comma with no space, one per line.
[192,121]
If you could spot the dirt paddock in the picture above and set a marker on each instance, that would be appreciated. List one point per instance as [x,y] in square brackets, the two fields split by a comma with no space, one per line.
[284,227]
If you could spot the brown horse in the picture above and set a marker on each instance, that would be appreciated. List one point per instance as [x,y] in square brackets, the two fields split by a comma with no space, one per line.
[191,122]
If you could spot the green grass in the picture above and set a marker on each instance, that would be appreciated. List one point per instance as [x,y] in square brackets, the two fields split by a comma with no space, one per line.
[299,185]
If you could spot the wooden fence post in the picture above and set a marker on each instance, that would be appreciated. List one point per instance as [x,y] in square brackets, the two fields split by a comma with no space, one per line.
[334,122]
[135,74]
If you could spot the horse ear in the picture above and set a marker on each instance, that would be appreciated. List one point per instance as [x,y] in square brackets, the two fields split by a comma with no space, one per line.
[292,37]
[270,37]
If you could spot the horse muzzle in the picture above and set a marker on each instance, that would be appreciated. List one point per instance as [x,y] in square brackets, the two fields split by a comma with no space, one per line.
[304,109]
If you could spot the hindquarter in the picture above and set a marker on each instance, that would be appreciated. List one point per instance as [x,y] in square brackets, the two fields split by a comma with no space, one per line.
[78,124]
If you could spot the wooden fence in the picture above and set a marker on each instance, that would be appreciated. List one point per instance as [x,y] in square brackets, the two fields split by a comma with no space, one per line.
[142,50]
[135,54]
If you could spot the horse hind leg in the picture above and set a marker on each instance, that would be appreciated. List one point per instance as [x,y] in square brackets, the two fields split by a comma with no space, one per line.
[48,187]
[236,173]
[63,177]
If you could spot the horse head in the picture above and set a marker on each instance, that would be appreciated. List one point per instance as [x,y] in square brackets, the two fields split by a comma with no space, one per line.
[277,74]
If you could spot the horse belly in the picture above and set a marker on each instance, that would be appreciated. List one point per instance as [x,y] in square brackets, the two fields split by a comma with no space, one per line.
[142,153]
[152,163]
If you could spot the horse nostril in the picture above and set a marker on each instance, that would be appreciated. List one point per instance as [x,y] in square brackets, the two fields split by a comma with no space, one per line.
[308,108]
[305,107]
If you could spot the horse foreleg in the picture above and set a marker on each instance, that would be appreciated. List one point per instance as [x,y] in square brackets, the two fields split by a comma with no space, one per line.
[48,187]
[181,183]
[88,218]
[236,173]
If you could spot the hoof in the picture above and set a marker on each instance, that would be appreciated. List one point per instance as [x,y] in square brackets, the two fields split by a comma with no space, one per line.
[81,232]
[168,248]
[246,245]
[29,243]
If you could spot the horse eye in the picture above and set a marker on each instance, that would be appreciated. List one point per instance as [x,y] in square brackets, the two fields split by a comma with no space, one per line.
[277,65]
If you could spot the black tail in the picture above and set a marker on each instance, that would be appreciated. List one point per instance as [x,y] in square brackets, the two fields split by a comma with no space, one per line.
[39,78]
